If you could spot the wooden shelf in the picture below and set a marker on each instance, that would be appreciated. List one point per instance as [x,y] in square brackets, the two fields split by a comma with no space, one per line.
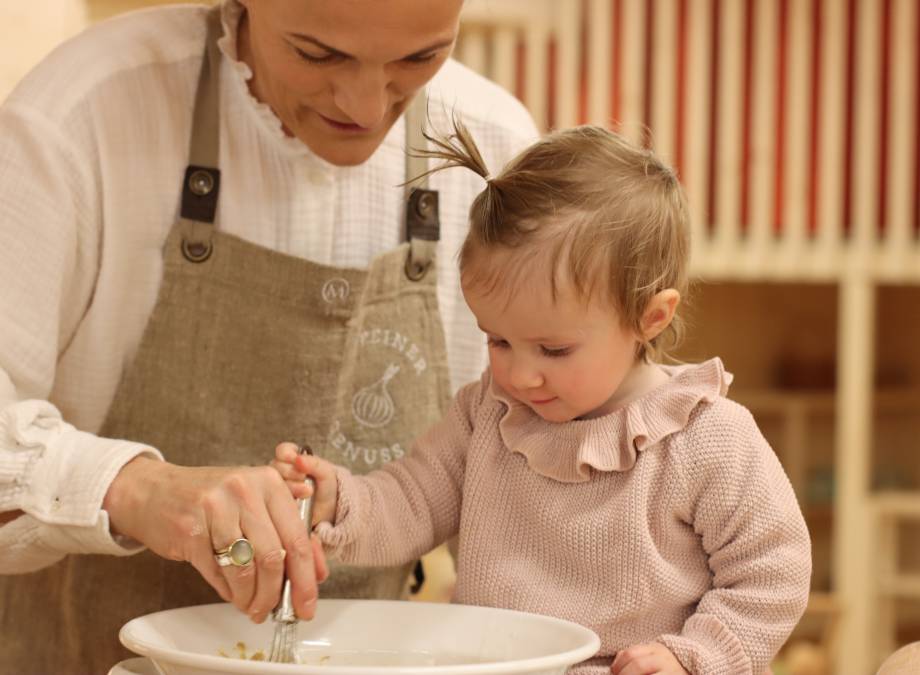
[903,504]
[783,401]
[905,586]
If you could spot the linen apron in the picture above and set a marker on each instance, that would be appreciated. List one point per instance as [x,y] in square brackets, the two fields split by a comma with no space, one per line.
[247,347]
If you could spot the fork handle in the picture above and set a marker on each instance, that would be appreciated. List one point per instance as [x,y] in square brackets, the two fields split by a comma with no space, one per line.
[305,505]
[284,612]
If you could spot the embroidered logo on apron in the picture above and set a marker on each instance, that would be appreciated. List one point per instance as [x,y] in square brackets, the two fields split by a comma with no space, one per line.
[397,342]
[373,406]
[336,290]
[381,414]
[355,453]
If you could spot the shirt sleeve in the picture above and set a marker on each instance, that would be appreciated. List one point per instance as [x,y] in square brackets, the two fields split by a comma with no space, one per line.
[741,505]
[396,514]
[49,238]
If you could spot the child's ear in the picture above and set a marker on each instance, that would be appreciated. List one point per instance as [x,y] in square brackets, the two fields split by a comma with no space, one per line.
[659,313]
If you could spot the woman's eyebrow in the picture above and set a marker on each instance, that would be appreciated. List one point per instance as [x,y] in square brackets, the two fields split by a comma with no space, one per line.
[338,52]
[431,48]
[321,45]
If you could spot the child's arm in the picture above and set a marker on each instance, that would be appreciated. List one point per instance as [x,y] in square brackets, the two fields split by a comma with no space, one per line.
[740,503]
[395,514]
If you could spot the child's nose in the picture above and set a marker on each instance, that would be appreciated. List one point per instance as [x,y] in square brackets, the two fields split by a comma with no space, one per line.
[524,375]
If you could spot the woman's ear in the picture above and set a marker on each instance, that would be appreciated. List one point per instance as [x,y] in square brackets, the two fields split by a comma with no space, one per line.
[659,313]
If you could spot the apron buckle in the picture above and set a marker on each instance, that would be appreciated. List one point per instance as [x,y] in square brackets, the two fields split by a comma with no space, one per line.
[197,251]
[416,269]
[422,215]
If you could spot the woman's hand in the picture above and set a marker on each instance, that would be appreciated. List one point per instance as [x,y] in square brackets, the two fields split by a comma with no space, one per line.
[188,513]
[294,468]
[647,659]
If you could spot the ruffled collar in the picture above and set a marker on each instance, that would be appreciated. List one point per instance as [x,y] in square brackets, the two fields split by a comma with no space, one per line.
[569,451]
[240,74]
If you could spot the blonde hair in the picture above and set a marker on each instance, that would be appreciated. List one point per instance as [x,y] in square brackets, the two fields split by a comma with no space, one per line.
[610,216]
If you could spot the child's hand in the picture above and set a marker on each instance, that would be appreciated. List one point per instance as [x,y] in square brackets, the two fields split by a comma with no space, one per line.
[647,659]
[294,468]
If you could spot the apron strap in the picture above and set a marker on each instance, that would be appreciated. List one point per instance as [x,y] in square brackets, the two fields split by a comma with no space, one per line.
[416,166]
[423,225]
[201,184]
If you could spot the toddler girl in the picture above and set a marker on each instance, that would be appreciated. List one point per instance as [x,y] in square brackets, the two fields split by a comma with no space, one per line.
[585,480]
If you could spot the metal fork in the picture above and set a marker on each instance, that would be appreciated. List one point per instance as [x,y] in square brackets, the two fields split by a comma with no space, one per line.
[284,617]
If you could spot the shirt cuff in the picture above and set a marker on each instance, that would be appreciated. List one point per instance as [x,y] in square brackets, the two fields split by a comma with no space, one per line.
[96,538]
[27,544]
[59,476]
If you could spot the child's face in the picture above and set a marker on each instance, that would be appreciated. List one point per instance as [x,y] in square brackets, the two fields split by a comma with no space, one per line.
[563,359]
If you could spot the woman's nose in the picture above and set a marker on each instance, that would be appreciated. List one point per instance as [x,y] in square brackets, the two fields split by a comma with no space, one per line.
[362,95]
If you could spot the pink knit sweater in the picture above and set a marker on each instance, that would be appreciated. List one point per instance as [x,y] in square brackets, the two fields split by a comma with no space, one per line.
[667,520]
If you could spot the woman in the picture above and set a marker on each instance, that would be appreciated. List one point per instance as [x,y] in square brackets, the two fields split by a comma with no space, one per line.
[204,245]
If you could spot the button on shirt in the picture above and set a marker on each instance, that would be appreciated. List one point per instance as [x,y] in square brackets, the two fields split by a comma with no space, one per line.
[94,145]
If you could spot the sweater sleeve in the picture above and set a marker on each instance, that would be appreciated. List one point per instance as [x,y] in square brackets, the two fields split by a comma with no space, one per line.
[396,514]
[53,473]
[741,505]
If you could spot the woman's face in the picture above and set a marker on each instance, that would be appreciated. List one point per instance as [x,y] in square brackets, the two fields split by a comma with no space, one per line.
[339,73]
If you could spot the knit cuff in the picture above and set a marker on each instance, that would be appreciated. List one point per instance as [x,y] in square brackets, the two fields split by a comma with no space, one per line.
[706,646]
[336,536]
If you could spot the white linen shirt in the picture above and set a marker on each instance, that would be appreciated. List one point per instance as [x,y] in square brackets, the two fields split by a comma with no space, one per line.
[93,146]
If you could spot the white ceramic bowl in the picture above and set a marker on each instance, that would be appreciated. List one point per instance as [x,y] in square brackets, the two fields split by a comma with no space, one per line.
[365,637]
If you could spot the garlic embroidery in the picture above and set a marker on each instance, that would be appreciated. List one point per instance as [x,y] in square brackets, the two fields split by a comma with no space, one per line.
[373,406]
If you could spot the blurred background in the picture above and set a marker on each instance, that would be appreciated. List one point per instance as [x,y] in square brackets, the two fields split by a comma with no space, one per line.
[795,128]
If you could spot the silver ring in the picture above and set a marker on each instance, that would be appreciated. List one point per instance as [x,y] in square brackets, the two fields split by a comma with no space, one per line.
[239,554]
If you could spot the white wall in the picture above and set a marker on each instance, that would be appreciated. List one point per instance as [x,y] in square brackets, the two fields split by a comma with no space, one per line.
[29,30]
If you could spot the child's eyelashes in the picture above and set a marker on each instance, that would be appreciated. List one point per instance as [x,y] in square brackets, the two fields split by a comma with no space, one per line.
[555,353]
[551,352]
[497,342]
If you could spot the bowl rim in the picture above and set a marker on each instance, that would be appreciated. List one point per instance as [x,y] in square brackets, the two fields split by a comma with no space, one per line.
[154,652]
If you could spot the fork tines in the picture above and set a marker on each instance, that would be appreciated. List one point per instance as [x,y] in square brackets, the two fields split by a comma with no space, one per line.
[283,642]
